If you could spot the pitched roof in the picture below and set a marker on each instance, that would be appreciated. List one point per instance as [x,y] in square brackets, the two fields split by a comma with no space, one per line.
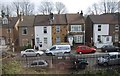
[59,19]
[27,21]
[104,18]
[12,22]
[75,19]
[41,20]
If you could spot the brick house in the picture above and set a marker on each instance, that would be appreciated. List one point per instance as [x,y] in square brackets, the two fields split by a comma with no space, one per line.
[26,30]
[9,32]
[59,29]
[103,29]
[76,24]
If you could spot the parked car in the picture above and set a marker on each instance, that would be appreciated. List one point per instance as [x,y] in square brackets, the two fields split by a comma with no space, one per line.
[110,48]
[69,61]
[57,49]
[111,58]
[31,52]
[39,64]
[85,49]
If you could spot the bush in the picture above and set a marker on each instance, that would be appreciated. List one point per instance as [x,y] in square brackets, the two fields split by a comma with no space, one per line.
[12,67]
[26,47]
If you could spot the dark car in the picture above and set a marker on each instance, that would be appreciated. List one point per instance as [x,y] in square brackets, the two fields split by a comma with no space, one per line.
[110,48]
[69,61]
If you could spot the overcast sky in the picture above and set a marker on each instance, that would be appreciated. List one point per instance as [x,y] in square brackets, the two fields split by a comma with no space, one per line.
[73,6]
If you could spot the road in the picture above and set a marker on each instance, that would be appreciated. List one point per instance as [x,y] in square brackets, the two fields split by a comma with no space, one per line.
[91,58]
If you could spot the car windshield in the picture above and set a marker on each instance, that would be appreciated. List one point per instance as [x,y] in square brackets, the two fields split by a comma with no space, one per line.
[106,56]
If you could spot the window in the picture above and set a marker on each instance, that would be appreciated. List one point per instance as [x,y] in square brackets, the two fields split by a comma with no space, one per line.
[37,40]
[119,56]
[116,37]
[24,31]
[99,27]
[53,48]
[78,38]
[99,38]
[34,63]
[41,63]
[107,39]
[58,39]
[9,30]
[116,28]
[57,28]
[113,57]
[5,21]
[45,30]
[76,28]
[45,40]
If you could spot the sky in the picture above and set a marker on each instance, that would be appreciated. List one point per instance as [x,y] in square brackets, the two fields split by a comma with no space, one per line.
[73,6]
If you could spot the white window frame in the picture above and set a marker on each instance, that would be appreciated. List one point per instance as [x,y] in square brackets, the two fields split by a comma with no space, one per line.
[78,38]
[99,27]
[58,39]
[117,28]
[45,29]
[24,28]
[116,37]
[74,27]
[45,40]
[57,28]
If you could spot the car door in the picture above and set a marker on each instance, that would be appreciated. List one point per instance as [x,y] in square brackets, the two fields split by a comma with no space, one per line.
[113,60]
[118,58]
[32,53]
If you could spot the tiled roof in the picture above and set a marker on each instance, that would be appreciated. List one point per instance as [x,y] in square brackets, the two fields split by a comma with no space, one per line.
[59,19]
[104,18]
[27,21]
[12,22]
[41,20]
[75,19]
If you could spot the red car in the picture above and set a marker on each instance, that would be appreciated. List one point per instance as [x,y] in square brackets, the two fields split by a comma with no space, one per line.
[85,49]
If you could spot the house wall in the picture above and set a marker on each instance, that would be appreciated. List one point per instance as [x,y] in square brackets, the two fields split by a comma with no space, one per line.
[25,39]
[39,34]
[89,32]
[63,33]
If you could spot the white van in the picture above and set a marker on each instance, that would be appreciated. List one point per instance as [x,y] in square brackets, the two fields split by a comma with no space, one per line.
[57,49]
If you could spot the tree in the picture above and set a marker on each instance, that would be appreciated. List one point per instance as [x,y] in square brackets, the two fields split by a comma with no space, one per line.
[46,7]
[60,7]
[6,8]
[105,6]
[16,6]
[27,8]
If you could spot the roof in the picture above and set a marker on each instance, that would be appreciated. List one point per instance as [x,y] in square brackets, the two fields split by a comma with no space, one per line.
[104,18]
[75,19]
[41,20]
[27,21]
[12,22]
[59,19]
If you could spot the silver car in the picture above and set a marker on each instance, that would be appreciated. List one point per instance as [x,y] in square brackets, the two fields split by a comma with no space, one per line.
[39,64]
[31,52]
[109,59]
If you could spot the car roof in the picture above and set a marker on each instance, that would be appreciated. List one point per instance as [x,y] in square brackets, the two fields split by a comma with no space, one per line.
[113,53]
[39,60]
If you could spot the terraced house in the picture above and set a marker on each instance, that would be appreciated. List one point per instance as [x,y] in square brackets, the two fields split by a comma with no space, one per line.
[9,31]
[59,28]
[103,29]
[26,31]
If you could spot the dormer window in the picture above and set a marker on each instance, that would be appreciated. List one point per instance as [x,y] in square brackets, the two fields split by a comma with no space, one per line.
[5,21]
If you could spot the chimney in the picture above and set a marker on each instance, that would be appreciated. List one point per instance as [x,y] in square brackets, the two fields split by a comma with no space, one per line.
[81,13]
[21,16]
[51,16]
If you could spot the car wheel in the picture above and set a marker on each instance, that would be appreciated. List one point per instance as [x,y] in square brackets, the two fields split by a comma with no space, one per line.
[37,55]
[80,52]
[106,51]
[83,66]
[50,54]
[24,55]
[105,64]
